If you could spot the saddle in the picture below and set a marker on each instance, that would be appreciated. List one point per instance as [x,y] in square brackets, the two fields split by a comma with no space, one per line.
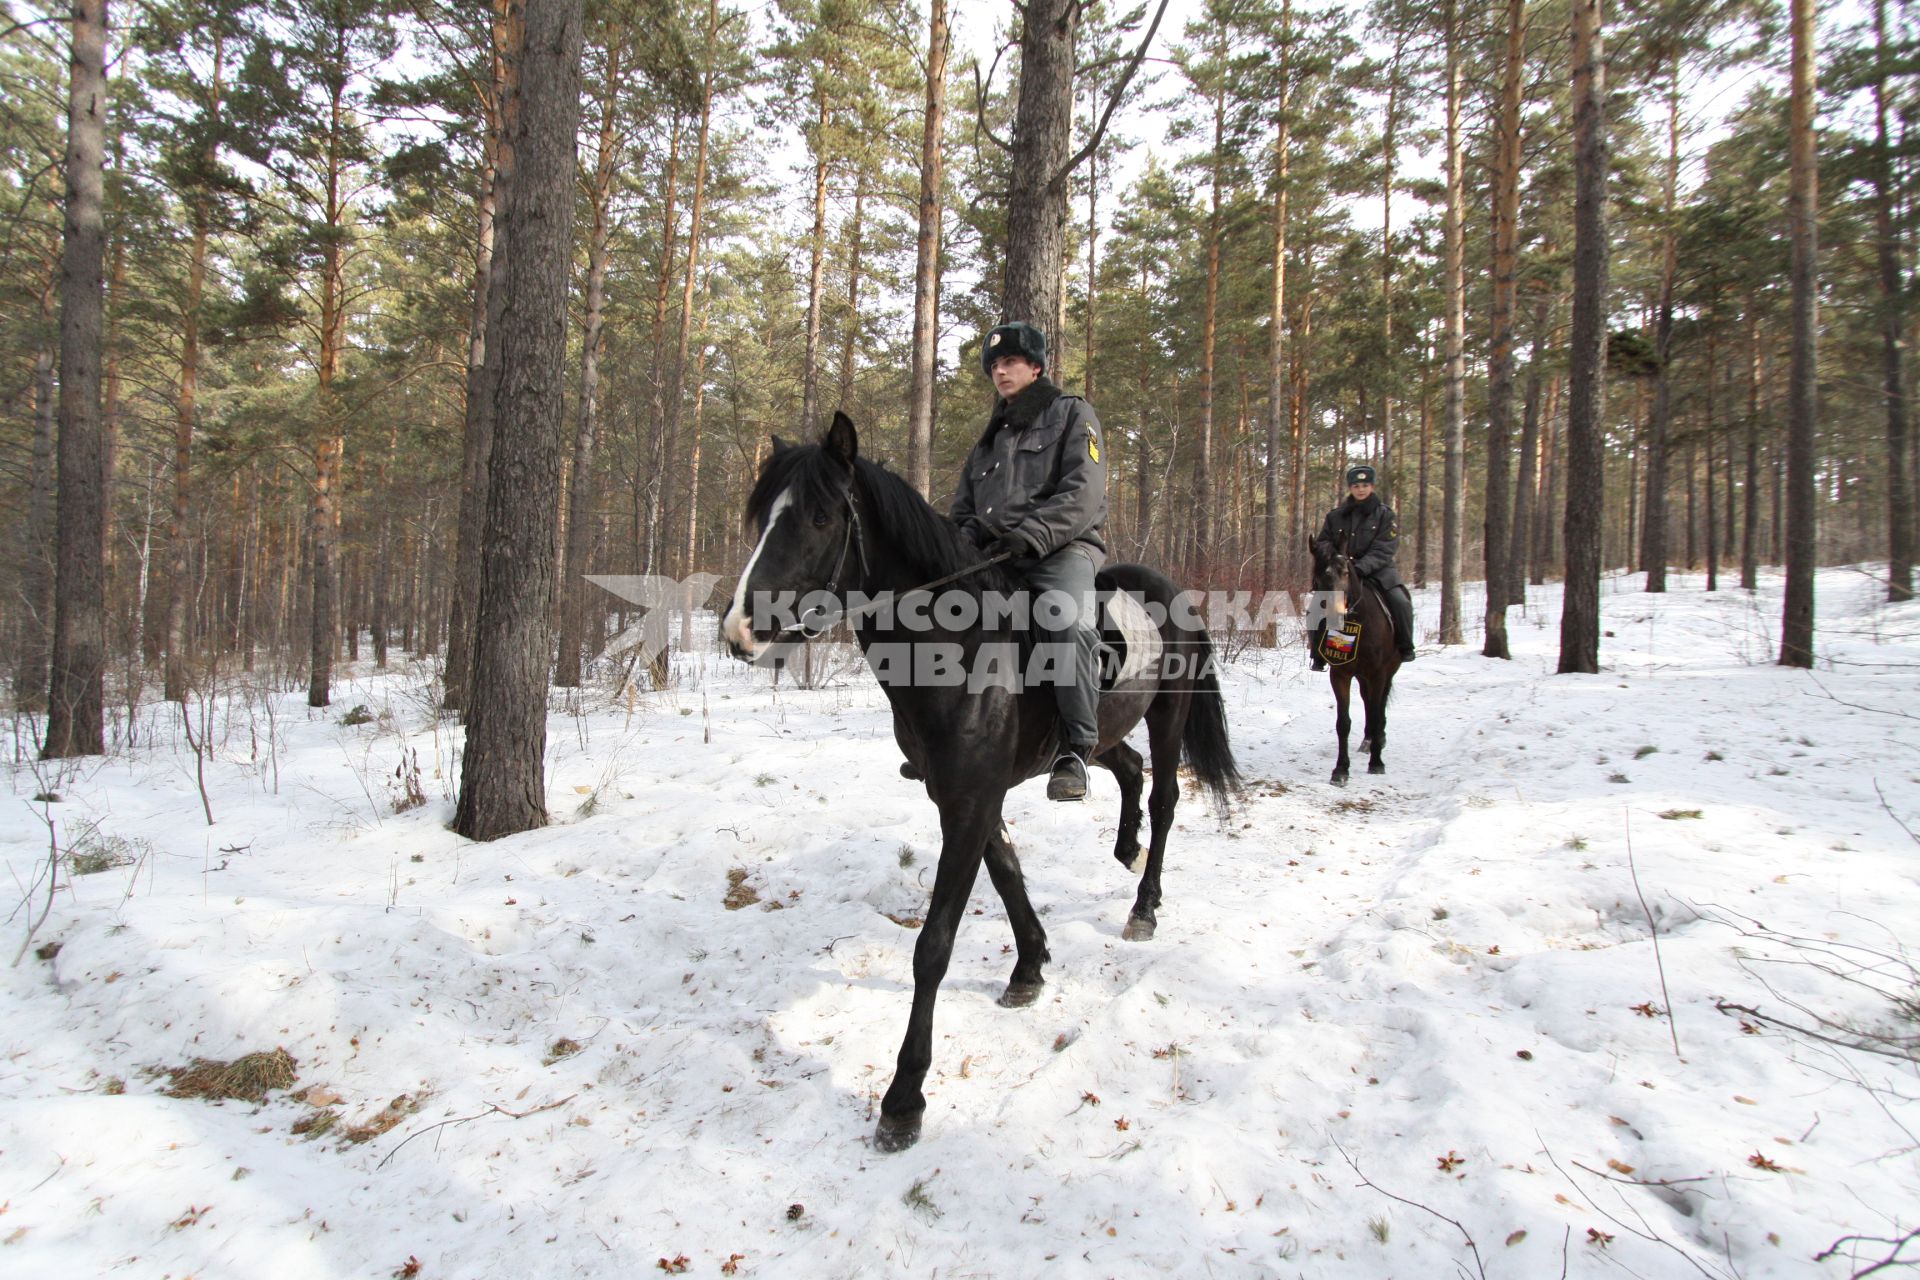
[1130,645]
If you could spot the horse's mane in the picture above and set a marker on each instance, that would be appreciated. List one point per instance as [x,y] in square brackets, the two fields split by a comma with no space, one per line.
[891,510]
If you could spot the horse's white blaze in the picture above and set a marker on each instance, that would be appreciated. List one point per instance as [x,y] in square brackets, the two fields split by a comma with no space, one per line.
[738,624]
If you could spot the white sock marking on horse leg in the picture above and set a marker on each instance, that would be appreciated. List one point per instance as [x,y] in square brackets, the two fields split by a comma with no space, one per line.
[738,624]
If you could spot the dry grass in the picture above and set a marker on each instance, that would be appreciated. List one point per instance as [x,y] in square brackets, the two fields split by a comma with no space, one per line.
[739,892]
[248,1078]
[388,1116]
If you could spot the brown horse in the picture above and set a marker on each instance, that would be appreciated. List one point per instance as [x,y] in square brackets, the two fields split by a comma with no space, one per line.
[1374,657]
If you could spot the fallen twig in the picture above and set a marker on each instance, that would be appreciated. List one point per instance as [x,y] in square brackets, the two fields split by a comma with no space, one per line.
[492,1109]
[1466,1235]
[1891,814]
[1891,1260]
[1673,1018]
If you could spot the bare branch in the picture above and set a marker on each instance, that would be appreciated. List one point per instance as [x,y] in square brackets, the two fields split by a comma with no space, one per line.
[1673,1028]
[1119,92]
[980,124]
[1466,1235]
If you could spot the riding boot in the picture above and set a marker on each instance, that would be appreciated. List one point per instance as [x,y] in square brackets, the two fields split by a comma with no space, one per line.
[1313,648]
[1069,779]
[1400,601]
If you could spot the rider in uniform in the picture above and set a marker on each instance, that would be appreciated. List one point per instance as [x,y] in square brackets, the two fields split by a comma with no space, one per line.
[1368,531]
[1034,487]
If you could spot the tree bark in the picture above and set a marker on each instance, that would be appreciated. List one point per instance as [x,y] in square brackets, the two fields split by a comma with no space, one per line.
[503,777]
[477,432]
[657,455]
[1454,486]
[1506,281]
[1210,326]
[926,279]
[1653,528]
[1750,484]
[573,586]
[1586,393]
[75,699]
[817,247]
[1890,252]
[174,681]
[329,440]
[1042,137]
[850,339]
[1277,308]
[36,579]
[1803,204]
[1390,154]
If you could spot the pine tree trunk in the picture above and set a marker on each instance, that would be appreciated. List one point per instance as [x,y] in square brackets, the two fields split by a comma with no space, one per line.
[850,339]
[1803,204]
[1526,483]
[1389,146]
[1203,525]
[503,778]
[657,455]
[926,282]
[676,390]
[175,681]
[1750,484]
[816,274]
[75,699]
[1042,138]
[573,586]
[477,429]
[1421,519]
[36,579]
[1653,529]
[1454,486]
[1270,564]
[1543,523]
[1587,354]
[1890,251]
[1506,265]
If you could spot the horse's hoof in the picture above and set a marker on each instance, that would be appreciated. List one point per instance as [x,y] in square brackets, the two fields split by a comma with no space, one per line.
[1339,779]
[1376,767]
[1366,745]
[896,1133]
[1019,995]
[1139,929]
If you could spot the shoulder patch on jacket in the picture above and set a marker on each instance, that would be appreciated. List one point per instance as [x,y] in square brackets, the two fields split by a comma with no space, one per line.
[1093,447]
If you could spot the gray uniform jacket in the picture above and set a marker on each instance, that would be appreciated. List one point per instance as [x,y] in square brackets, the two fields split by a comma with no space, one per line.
[1371,534]
[1045,483]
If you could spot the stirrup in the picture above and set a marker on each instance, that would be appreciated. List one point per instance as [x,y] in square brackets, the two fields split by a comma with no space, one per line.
[1069,780]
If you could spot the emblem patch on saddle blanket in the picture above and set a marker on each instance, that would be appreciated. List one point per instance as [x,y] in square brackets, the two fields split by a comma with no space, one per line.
[1342,646]
[1123,618]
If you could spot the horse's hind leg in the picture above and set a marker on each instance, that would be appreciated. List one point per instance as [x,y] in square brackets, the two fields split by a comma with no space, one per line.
[1342,725]
[1125,763]
[1029,938]
[1165,721]
[1375,698]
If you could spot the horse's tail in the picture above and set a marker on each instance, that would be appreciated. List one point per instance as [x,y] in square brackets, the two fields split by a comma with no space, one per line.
[1205,744]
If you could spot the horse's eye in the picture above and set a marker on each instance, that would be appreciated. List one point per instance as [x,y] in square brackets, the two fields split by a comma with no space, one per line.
[819,519]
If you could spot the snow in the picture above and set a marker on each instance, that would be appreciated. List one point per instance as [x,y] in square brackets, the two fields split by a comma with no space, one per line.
[1428,980]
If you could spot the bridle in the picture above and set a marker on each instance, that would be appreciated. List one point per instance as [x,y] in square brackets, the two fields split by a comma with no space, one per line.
[817,620]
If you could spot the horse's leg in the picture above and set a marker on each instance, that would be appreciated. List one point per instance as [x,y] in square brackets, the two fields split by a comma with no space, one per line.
[1003,865]
[965,822]
[1342,723]
[1125,763]
[1165,721]
[1374,694]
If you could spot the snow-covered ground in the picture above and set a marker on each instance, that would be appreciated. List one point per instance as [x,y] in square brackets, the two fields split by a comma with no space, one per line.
[563,1054]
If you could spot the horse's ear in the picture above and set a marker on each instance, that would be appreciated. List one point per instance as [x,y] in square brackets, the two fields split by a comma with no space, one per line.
[780,446]
[842,440]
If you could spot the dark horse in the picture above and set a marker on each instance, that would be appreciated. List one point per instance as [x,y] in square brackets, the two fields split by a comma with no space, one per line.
[1374,660]
[832,521]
